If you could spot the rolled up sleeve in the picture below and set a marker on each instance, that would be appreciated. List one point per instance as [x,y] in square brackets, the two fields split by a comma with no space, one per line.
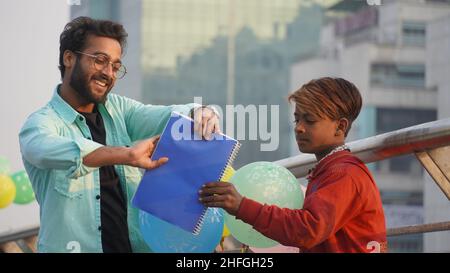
[84,147]
[41,146]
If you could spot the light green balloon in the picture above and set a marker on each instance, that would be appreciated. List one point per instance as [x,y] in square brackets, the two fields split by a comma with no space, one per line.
[24,191]
[266,183]
[4,166]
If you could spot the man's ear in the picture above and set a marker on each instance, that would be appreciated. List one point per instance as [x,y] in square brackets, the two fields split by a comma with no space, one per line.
[342,126]
[69,59]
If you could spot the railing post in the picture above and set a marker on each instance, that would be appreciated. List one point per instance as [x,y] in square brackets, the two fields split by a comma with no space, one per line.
[437,163]
[10,247]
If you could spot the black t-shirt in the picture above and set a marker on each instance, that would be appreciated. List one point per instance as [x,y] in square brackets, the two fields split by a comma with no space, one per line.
[113,206]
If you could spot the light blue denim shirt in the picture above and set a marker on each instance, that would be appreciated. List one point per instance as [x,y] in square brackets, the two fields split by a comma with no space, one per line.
[53,142]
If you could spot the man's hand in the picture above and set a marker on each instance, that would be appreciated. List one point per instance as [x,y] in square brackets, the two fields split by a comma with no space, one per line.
[141,152]
[206,122]
[136,156]
[222,195]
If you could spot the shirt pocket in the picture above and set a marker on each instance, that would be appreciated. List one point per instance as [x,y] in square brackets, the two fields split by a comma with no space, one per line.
[133,177]
[69,188]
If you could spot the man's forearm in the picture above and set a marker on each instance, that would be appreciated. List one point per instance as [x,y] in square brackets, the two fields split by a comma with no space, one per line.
[107,156]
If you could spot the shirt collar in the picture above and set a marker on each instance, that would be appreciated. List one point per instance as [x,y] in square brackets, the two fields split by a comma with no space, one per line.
[323,165]
[64,109]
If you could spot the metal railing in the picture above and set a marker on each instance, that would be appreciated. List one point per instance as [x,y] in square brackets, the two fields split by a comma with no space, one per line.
[404,141]
[430,142]
[427,141]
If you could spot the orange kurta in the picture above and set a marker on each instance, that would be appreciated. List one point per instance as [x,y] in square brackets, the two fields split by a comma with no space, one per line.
[342,211]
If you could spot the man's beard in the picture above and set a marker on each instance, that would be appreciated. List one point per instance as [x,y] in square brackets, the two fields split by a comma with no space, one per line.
[79,81]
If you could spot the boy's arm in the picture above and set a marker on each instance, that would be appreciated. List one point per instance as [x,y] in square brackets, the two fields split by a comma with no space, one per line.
[324,212]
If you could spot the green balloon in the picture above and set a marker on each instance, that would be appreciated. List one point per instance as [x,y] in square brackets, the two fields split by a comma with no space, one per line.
[4,166]
[266,183]
[24,191]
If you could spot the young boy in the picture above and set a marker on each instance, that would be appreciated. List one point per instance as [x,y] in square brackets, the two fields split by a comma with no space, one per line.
[342,211]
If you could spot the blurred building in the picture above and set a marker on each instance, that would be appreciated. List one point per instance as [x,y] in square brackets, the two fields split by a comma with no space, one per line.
[436,205]
[227,51]
[382,49]
[181,49]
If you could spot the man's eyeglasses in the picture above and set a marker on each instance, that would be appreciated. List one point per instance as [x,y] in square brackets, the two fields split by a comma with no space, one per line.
[101,62]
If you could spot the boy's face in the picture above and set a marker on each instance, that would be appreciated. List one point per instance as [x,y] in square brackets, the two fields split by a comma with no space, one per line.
[315,134]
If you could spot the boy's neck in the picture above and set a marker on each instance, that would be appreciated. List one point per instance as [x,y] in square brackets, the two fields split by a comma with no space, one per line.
[328,150]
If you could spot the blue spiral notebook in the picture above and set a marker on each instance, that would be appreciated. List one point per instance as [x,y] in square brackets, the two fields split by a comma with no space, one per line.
[170,192]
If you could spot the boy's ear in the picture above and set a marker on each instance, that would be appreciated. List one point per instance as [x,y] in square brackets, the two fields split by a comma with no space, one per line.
[342,127]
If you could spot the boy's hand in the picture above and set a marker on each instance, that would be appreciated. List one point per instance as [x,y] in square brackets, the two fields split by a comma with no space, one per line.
[222,195]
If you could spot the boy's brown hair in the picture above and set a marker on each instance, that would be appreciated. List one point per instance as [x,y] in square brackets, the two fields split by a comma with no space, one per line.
[332,97]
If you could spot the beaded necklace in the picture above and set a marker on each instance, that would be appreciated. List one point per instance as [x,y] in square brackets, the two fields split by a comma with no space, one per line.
[335,150]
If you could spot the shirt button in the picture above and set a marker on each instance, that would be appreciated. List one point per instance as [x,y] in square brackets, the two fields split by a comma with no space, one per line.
[100,228]
[80,118]
[97,197]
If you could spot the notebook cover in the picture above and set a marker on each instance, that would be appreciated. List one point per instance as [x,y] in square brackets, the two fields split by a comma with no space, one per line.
[170,192]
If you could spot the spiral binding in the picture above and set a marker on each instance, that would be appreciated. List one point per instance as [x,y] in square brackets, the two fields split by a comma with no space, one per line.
[199,224]
[230,160]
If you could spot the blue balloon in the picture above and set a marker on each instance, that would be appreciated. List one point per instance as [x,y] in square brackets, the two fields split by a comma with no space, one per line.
[164,237]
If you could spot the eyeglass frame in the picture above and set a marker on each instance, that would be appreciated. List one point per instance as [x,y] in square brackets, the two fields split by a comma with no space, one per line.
[109,62]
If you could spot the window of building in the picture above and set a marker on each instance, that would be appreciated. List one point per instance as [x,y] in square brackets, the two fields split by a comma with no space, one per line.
[414,33]
[398,75]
